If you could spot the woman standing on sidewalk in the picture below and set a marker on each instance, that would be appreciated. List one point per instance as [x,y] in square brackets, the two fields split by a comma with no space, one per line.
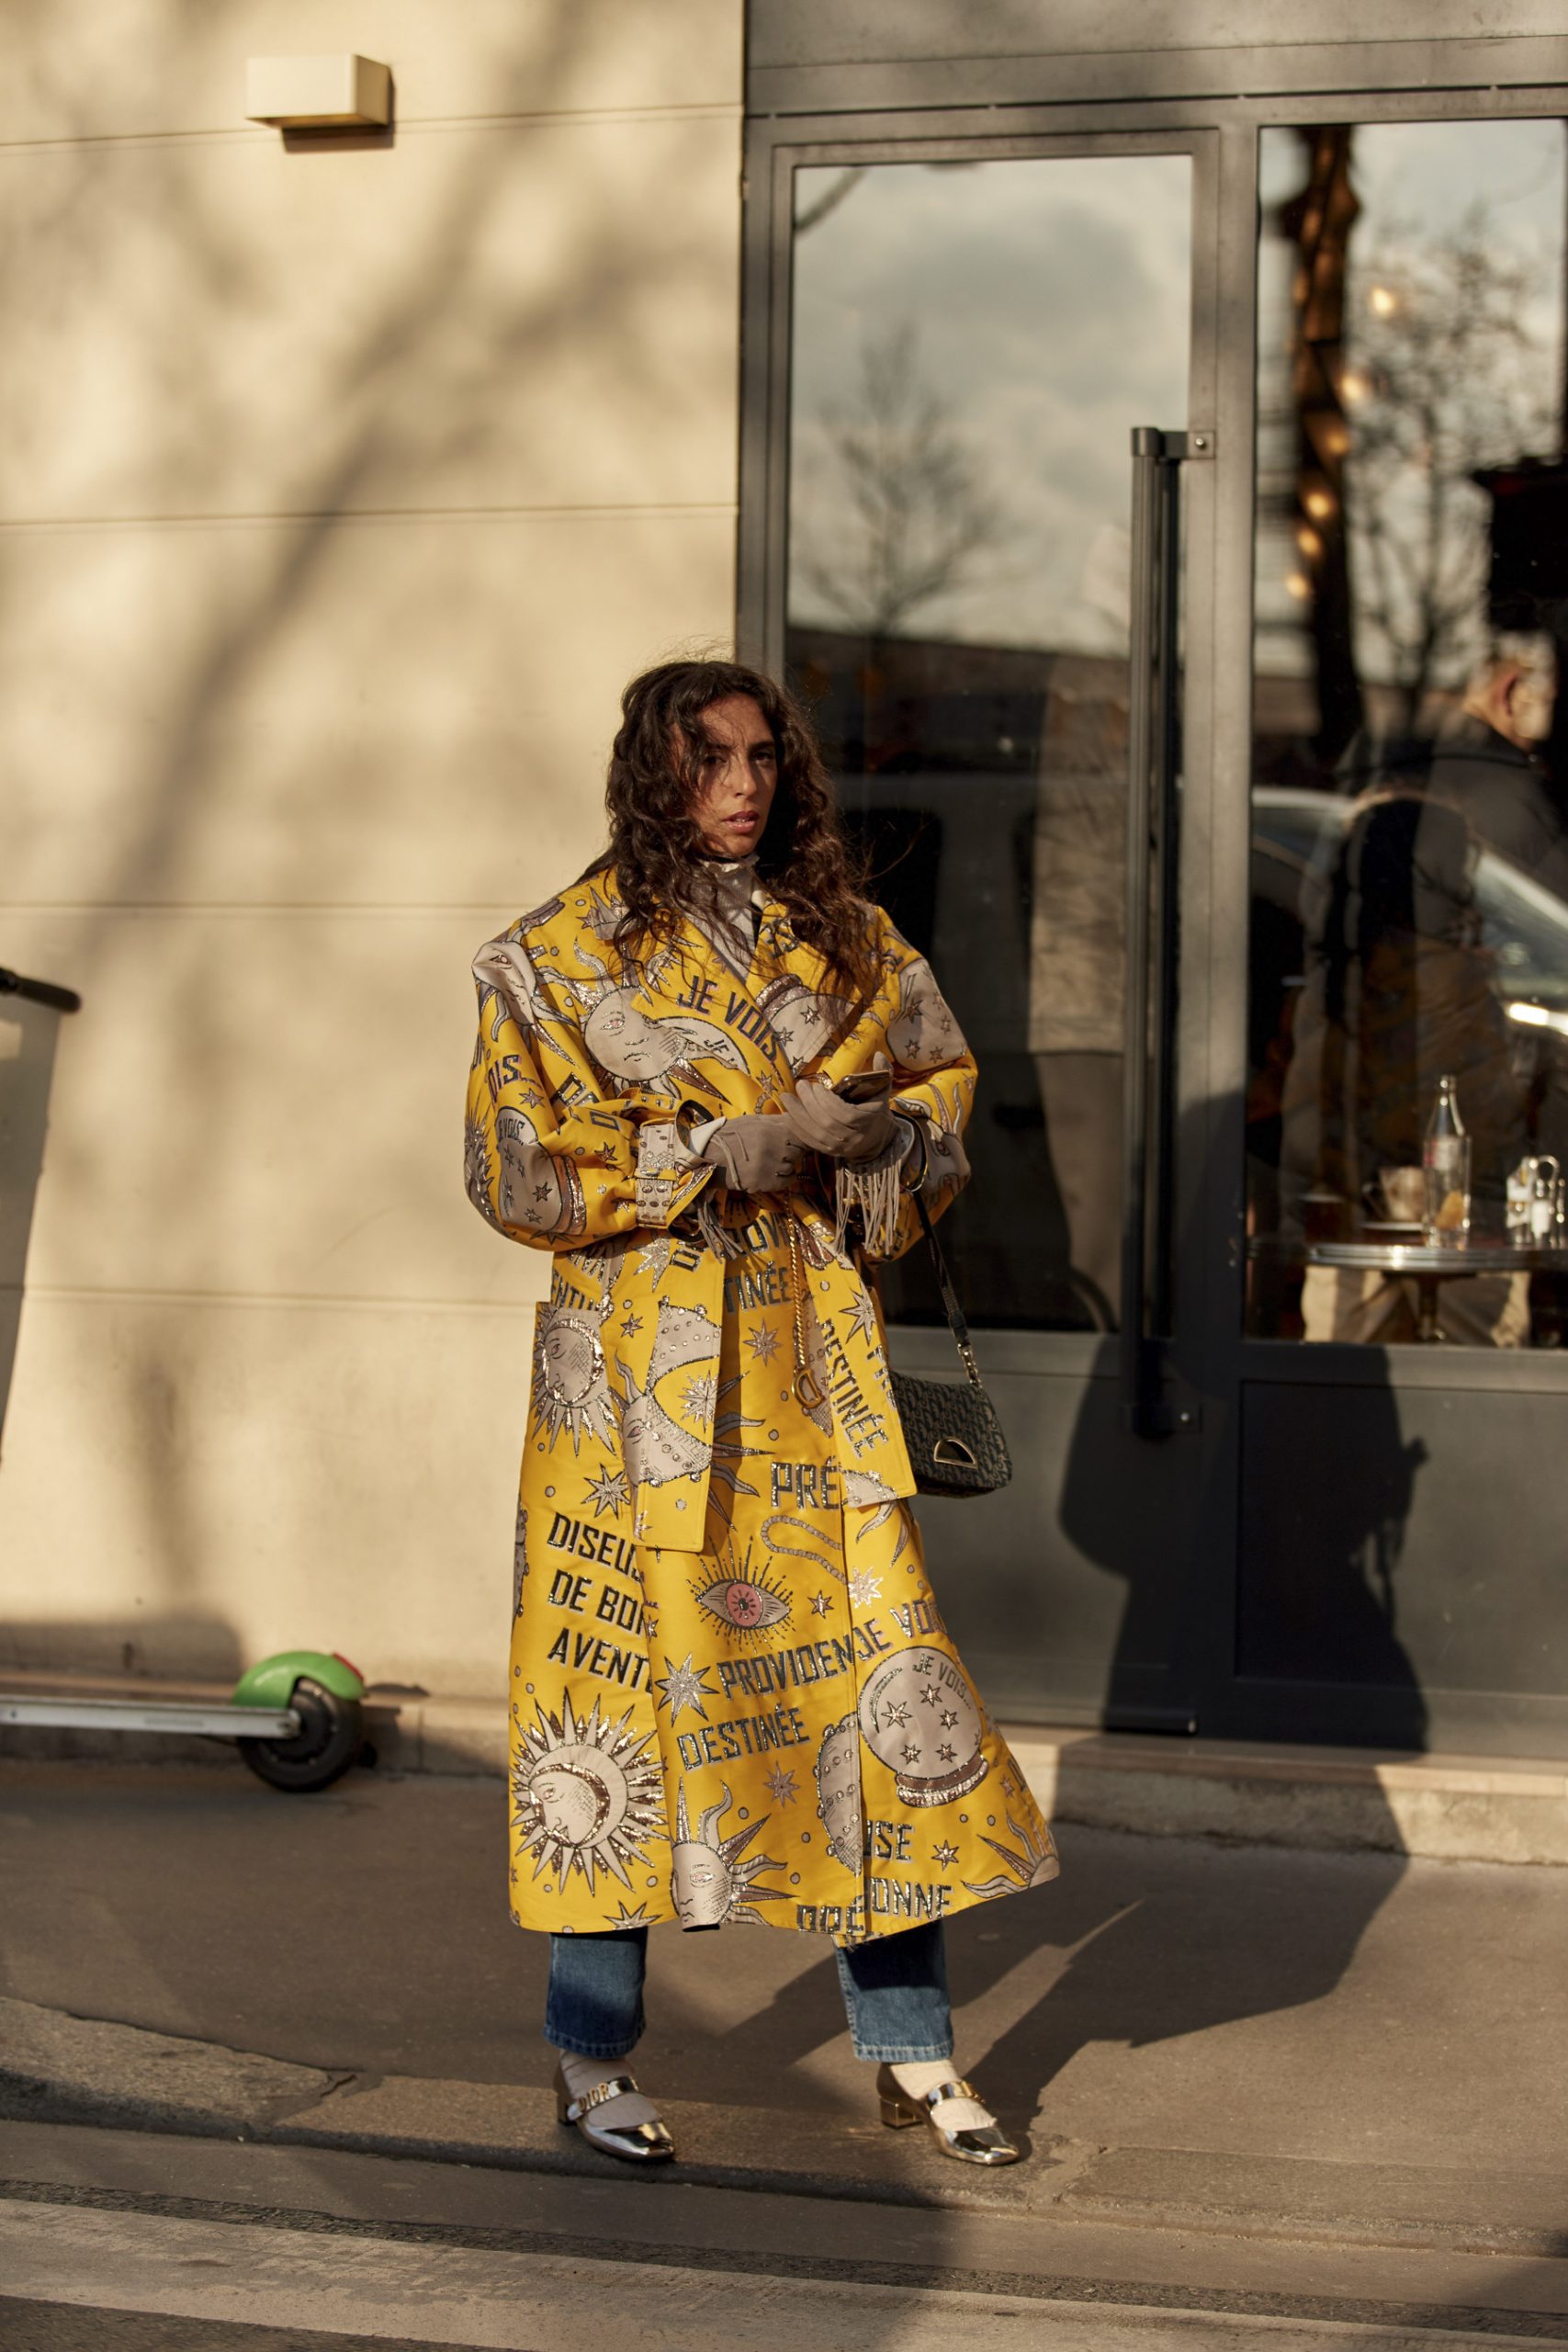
[733,1698]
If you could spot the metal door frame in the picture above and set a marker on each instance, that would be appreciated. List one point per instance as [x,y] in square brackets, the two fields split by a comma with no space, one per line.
[1210,1357]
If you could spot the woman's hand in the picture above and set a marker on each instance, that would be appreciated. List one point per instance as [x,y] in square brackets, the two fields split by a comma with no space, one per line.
[821,1121]
[756,1152]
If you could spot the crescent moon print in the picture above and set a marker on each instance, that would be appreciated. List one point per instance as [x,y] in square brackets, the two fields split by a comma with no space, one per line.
[657,1448]
[630,1043]
[838,1806]
[570,1390]
[708,1881]
[586,1794]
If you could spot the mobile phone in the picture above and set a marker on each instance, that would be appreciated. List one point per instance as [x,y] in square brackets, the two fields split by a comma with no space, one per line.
[864,1086]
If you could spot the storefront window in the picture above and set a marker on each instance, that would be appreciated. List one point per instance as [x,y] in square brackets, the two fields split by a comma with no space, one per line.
[1410,797]
[972,342]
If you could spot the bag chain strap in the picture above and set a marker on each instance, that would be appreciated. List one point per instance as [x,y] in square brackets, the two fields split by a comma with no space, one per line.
[808,1388]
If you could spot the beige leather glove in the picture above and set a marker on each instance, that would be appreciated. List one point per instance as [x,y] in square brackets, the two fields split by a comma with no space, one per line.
[755,1152]
[822,1121]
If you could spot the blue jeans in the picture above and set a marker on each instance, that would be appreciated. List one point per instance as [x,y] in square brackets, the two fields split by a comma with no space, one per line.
[895,1994]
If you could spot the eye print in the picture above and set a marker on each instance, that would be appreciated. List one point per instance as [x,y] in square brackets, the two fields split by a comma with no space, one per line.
[741,1605]
[747,1604]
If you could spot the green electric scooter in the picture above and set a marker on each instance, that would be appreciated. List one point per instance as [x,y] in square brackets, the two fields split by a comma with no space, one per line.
[296,1718]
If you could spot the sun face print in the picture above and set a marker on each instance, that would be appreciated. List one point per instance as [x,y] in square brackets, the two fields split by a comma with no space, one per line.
[570,1391]
[586,1794]
[1029,1863]
[708,1881]
[744,1601]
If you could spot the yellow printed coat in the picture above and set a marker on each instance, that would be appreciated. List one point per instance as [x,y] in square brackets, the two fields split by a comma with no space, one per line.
[733,1697]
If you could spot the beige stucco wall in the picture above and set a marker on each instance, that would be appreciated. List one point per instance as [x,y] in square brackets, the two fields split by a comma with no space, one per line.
[341,488]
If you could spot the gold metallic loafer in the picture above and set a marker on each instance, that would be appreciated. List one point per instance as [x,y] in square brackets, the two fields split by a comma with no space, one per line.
[635,2144]
[989,2146]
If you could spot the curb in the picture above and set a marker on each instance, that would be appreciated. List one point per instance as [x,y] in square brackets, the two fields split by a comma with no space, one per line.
[1327,1800]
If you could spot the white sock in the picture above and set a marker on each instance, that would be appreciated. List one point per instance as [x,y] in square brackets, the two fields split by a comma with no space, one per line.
[619,2114]
[922,2077]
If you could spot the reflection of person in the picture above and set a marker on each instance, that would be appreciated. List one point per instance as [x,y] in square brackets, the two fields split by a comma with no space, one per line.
[1490,763]
[1076,980]
[1399,994]
[712,1407]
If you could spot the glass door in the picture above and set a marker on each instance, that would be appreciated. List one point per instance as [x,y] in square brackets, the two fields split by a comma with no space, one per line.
[972,344]
[964,338]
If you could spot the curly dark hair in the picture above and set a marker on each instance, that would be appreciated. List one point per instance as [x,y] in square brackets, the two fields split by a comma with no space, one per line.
[655,846]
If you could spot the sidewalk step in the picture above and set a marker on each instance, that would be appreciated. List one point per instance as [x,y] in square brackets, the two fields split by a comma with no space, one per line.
[59,2069]
[1443,1807]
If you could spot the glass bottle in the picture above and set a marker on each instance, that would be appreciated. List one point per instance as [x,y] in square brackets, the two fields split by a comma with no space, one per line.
[1445,1157]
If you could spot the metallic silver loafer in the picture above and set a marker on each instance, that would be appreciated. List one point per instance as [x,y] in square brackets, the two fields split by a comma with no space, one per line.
[635,2144]
[989,2146]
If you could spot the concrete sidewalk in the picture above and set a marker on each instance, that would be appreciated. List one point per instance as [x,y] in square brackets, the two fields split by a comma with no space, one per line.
[1352,2049]
[1336,1799]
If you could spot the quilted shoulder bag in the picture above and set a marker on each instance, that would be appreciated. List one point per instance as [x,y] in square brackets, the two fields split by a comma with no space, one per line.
[951,1431]
[954,1440]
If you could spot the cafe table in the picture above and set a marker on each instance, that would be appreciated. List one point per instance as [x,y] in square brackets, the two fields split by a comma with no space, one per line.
[1433,1263]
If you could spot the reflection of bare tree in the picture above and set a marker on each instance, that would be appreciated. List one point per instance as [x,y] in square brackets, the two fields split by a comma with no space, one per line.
[1449,379]
[916,513]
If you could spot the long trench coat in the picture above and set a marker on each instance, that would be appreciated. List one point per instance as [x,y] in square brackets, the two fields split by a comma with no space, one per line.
[733,1697]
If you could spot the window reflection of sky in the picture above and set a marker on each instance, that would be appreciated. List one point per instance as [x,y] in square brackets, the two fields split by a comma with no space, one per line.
[1019,280]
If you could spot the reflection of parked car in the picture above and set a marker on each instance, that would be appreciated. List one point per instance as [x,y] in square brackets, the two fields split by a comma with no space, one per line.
[1525,926]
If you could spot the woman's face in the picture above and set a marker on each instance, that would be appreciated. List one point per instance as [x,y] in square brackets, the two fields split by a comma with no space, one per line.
[736,776]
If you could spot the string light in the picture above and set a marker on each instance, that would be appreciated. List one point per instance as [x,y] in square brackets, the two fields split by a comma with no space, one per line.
[1298,585]
[1309,541]
[1381,302]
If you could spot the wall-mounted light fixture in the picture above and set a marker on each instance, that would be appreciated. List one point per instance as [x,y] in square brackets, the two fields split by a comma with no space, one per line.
[318,92]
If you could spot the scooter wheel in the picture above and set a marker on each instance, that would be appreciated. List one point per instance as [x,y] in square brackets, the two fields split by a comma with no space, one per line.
[321,1750]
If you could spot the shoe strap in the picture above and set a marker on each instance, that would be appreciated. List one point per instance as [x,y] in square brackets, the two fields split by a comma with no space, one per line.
[617,2086]
[958,2089]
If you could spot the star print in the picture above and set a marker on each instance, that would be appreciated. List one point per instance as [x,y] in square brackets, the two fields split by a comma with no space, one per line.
[944,1856]
[865,1589]
[782,1785]
[862,1318]
[608,1493]
[697,1396]
[764,1343]
[930,1696]
[531,1096]
[625,1918]
[947,1719]
[896,1712]
[541,1192]
[911,1754]
[683,1686]
[632,1324]
[821,1603]
[948,1753]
